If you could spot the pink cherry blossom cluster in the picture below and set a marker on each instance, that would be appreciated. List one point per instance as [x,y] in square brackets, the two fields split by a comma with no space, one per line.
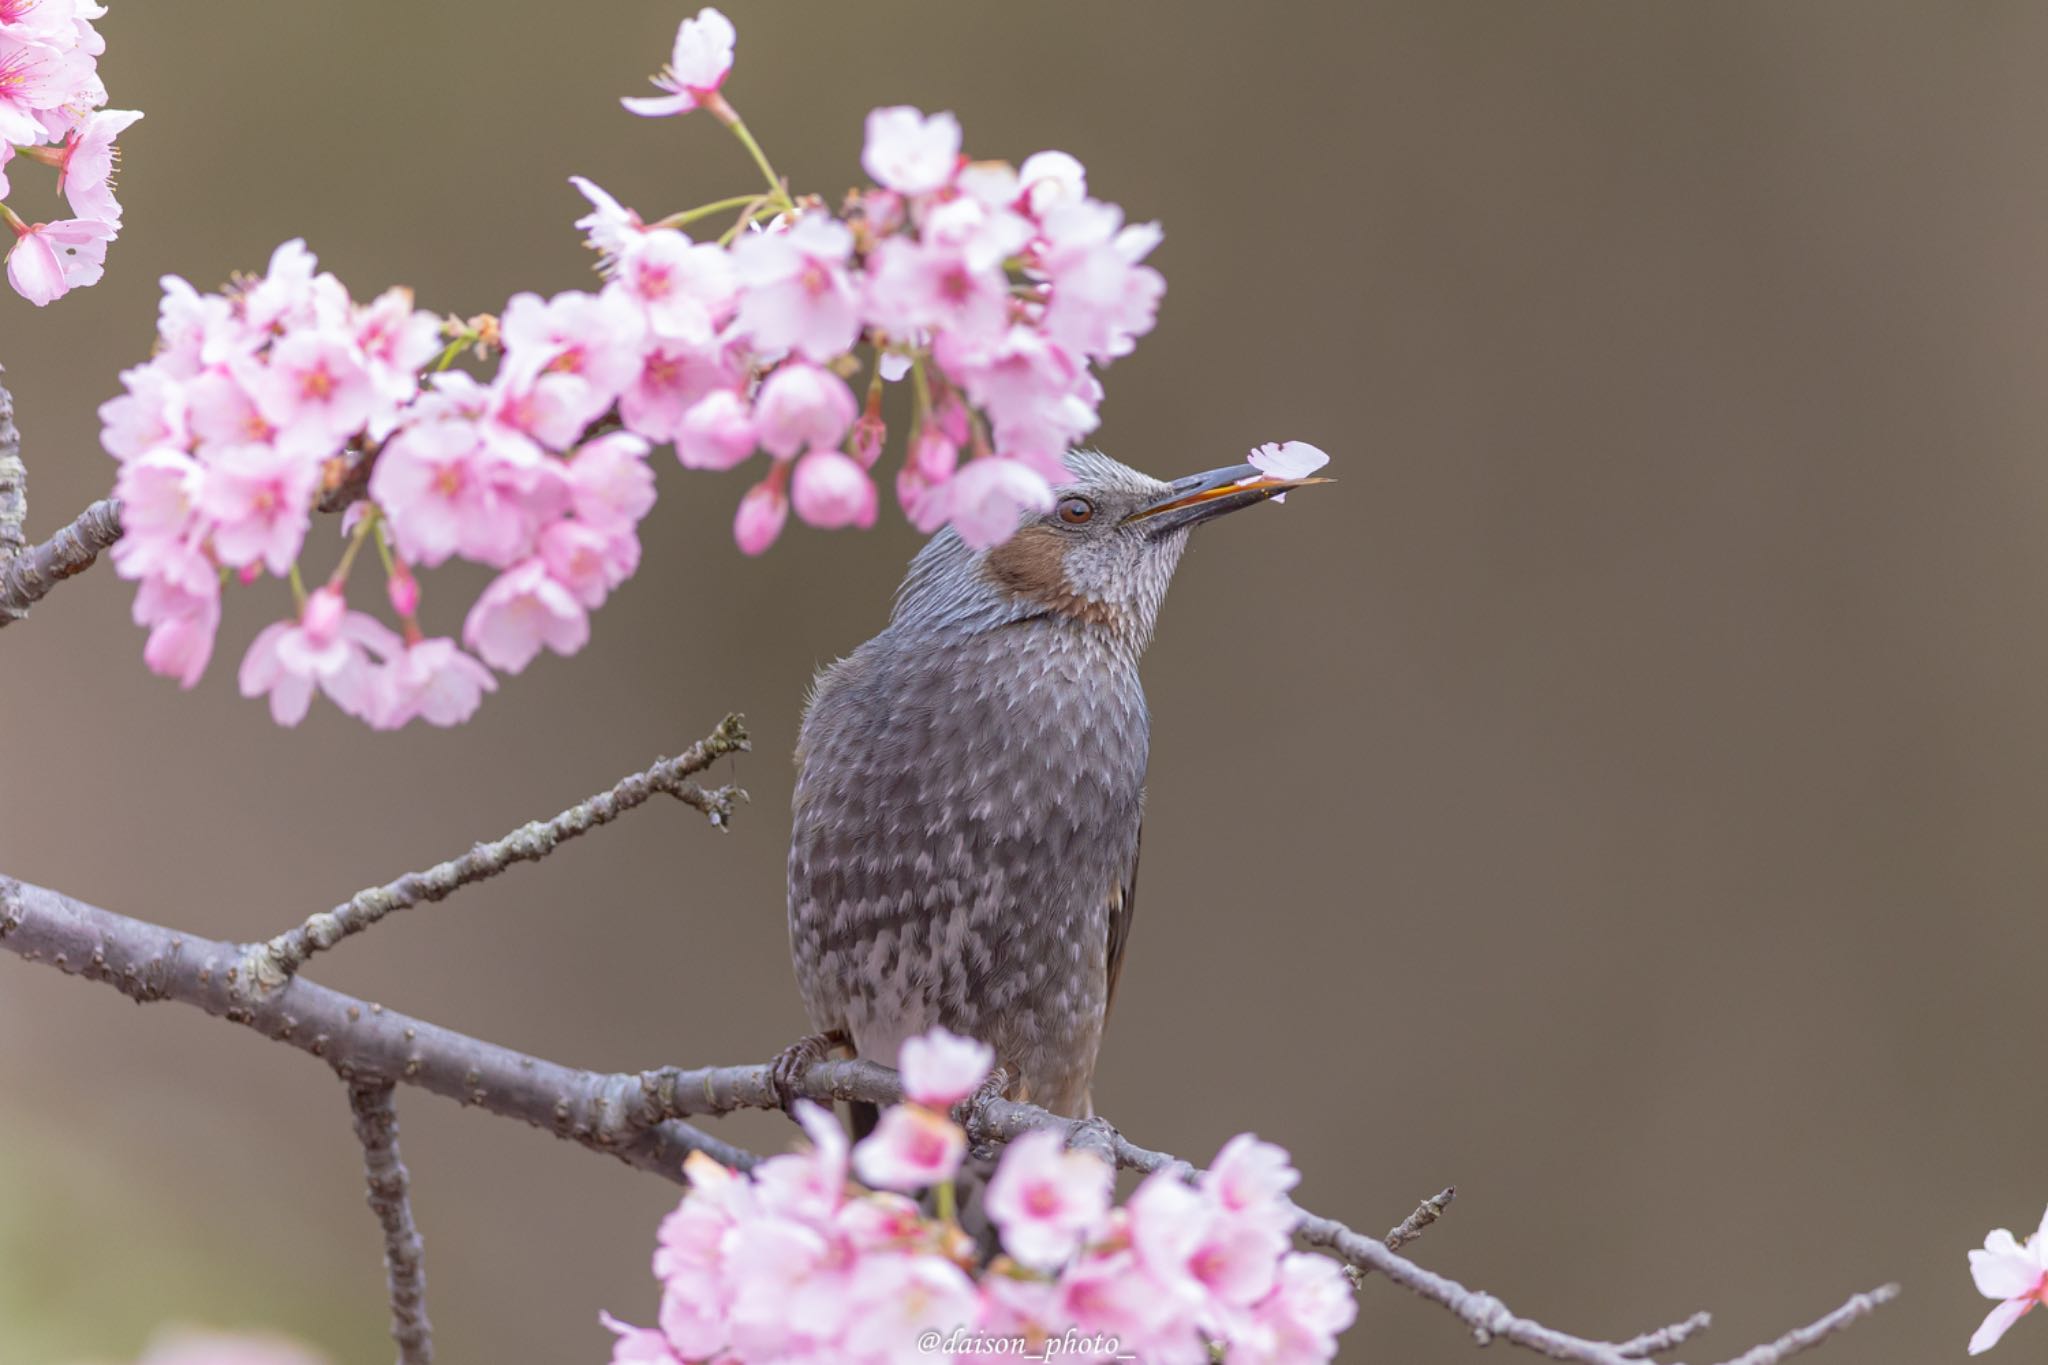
[50,98]
[797,1264]
[991,288]
[2013,1272]
[226,438]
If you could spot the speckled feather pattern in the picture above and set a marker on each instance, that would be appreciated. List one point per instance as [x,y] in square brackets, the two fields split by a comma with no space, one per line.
[967,811]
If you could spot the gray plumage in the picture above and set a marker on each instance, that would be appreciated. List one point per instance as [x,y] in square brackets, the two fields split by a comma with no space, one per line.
[971,783]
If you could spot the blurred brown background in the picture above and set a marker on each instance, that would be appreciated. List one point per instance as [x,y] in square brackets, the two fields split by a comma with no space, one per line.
[1621,796]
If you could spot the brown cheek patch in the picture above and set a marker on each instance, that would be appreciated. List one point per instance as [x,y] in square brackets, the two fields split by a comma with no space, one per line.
[1032,564]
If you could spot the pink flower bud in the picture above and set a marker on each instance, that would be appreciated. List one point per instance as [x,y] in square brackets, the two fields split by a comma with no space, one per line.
[717,432]
[404,591]
[802,406]
[321,618]
[869,435]
[831,490]
[759,519]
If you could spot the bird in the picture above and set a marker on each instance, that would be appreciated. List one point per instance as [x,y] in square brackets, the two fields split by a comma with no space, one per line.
[970,787]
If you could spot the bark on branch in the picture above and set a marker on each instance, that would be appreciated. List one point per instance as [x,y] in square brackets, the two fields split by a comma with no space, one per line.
[376,1116]
[359,1039]
[28,572]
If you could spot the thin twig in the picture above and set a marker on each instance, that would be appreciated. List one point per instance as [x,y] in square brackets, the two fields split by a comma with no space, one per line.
[1801,1338]
[271,964]
[1665,1338]
[346,480]
[27,577]
[389,1198]
[1427,1212]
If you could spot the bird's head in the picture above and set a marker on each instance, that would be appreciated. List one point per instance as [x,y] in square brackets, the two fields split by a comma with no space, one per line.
[1101,558]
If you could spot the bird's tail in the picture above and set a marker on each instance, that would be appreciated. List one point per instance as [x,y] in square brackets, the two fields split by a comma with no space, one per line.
[861,1118]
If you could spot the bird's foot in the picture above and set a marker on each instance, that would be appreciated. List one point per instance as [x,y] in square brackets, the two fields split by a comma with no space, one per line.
[786,1072]
[973,1111]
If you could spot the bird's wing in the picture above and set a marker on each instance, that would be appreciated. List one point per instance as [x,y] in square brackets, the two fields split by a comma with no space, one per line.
[1123,906]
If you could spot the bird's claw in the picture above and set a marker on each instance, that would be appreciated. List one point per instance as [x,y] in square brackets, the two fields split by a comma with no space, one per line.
[786,1073]
[973,1111]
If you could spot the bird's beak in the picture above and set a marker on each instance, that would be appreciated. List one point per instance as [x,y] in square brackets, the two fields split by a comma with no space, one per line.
[1199,497]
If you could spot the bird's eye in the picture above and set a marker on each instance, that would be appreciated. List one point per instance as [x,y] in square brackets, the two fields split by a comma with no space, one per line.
[1076,511]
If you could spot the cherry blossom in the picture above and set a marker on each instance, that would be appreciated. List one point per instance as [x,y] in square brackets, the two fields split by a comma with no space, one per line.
[717,432]
[49,260]
[762,512]
[909,152]
[802,407]
[327,646]
[699,64]
[85,174]
[523,610]
[993,292]
[1288,459]
[797,292]
[830,490]
[433,680]
[911,1148]
[940,1069]
[259,498]
[2013,1272]
[1045,1199]
[794,1263]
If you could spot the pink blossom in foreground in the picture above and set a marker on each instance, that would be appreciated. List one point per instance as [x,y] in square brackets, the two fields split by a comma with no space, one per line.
[791,1263]
[911,1148]
[940,1069]
[910,152]
[2013,1272]
[698,65]
[1045,1199]
[49,260]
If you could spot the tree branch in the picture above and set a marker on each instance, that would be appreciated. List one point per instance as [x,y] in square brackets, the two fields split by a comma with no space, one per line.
[13,483]
[272,964]
[1665,1338]
[27,574]
[405,1276]
[638,1117]
[359,1039]
[1427,1212]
